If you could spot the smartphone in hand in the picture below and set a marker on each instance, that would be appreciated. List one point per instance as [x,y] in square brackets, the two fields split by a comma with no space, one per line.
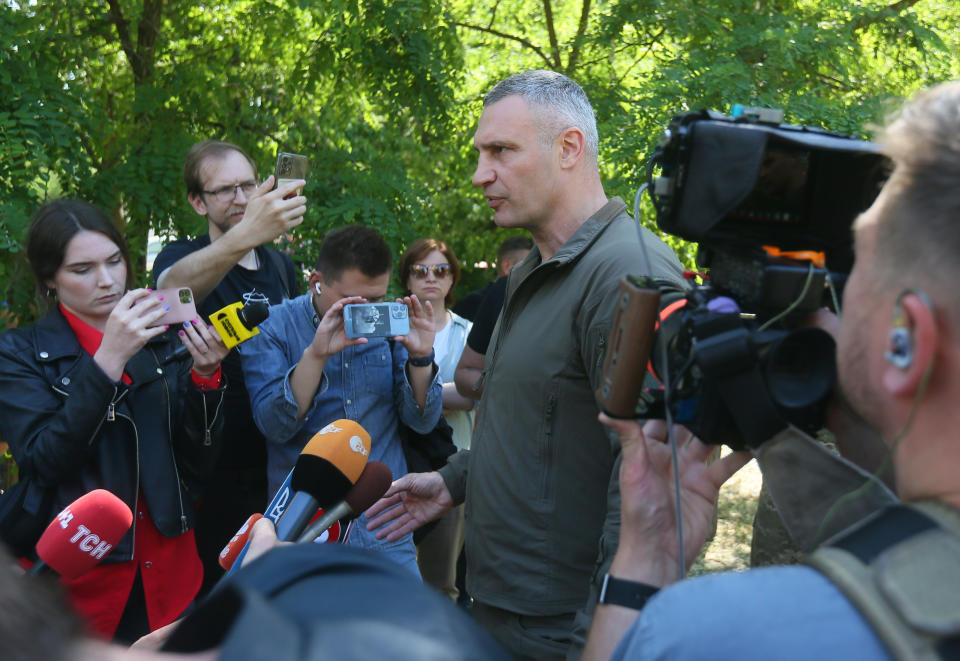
[290,167]
[180,301]
[375,320]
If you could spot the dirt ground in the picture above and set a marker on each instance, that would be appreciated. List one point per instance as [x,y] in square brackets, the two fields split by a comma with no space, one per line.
[730,548]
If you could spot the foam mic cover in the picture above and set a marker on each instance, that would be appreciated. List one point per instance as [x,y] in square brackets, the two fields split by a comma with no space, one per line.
[253,314]
[332,461]
[84,533]
[326,469]
[233,548]
[373,483]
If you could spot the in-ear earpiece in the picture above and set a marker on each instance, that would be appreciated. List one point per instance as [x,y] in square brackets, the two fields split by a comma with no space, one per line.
[900,348]
[899,351]
[316,286]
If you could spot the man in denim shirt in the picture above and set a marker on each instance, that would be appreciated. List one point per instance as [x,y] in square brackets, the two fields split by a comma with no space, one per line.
[302,372]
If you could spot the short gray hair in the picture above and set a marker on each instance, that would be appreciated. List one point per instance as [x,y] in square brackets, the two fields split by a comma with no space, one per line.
[560,101]
[920,232]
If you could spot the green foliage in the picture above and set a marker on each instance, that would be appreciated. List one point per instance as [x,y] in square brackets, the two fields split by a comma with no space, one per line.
[102,100]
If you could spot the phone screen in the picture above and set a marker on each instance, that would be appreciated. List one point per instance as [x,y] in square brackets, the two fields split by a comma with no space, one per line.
[375,320]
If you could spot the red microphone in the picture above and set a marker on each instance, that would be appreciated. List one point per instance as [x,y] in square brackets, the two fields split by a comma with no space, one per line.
[83,534]
[230,552]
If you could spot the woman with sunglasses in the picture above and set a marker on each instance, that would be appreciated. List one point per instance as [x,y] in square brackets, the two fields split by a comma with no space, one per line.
[429,269]
[91,397]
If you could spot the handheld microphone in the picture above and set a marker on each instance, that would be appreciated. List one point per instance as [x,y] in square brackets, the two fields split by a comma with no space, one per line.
[82,534]
[328,467]
[234,323]
[237,543]
[373,483]
[238,322]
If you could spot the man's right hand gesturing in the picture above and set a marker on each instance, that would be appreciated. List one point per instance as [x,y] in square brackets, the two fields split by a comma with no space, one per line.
[410,502]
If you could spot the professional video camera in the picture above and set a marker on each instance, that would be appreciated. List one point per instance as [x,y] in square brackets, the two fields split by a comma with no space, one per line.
[770,207]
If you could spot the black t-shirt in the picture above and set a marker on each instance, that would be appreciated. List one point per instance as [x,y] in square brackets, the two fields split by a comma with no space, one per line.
[467,306]
[487,315]
[244,445]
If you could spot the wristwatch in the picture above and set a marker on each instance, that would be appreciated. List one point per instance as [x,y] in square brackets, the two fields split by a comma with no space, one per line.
[424,360]
[619,592]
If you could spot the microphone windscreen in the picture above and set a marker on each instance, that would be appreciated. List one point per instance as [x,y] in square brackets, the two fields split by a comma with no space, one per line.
[253,314]
[373,483]
[332,461]
[230,552]
[84,533]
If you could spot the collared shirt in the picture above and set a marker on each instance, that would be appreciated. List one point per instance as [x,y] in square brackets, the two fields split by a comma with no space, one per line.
[364,383]
[539,482]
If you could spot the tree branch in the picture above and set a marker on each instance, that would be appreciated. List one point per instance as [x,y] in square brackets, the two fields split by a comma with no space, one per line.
[503,35]
[877,16]
[147,33]
[646,45]
[574,57]
[552,32]
[493,14]
[120,24]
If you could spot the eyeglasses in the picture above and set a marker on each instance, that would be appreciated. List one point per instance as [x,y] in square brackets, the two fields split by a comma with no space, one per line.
[229,192]
[420,271]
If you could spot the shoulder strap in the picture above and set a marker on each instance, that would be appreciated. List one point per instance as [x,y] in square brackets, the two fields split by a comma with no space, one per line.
[901,570]
[277,258]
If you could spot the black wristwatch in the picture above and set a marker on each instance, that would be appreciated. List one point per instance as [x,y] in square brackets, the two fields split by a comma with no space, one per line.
[619,592]
[423,361]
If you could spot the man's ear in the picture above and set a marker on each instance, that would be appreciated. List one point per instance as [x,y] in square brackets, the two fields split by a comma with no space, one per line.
[573,145]
[913,342]
[316,281]
[196,201]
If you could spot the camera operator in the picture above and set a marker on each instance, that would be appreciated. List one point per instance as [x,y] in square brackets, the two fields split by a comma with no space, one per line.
[899,369]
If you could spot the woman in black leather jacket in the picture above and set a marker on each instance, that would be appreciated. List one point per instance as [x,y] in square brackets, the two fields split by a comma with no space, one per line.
[89,400]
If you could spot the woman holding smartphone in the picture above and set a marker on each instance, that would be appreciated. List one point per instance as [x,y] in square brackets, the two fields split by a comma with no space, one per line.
[89,399]
[429,269]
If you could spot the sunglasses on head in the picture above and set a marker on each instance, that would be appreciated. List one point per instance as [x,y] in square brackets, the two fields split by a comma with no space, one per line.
[420,271]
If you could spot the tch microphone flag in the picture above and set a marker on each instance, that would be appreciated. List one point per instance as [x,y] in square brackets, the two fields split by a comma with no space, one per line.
[83,534]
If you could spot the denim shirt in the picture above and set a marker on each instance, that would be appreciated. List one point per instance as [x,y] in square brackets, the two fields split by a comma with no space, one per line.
[363,383]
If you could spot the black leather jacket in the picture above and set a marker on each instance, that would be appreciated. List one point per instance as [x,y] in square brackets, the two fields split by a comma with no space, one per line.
[73,429]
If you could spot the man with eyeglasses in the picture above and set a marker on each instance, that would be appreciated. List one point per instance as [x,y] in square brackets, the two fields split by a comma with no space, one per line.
[233,262]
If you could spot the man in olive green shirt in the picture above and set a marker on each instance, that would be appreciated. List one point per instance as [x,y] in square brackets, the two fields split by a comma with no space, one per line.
[540,484]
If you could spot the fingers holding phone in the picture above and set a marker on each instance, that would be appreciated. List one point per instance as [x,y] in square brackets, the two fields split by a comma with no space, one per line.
[291,170]
[135,319]
[205,346]
[277,206]
[331,336]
